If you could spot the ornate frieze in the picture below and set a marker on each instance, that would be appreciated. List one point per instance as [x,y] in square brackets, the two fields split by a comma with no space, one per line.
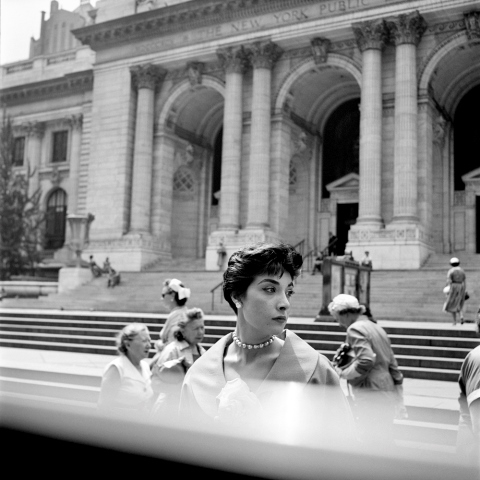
[199,21]
[264,54]
[407,28]
[472,24]
[320,47]
[67,85]
[195,72]
[370,35]
[147,76]
[233,59]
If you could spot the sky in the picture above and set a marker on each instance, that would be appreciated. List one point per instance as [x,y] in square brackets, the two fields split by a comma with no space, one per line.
[20,20]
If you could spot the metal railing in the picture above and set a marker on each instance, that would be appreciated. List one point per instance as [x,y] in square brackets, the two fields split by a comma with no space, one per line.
[212,291]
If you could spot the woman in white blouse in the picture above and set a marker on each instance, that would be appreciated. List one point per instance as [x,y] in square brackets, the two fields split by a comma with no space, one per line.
[126,380]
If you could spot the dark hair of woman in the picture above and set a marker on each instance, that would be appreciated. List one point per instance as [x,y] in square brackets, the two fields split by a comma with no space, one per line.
[190,315]
[260,259]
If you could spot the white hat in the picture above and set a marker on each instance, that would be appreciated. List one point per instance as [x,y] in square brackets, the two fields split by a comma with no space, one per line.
[175,285]
[343,302]
[454,260]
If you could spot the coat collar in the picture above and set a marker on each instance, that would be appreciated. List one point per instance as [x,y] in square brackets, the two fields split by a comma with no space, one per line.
[296,363]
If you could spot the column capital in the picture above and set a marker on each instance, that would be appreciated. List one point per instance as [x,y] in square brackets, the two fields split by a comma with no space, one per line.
[233,59]
[34,129]
[147,76]
[370,35]
[320,47]
[264,54]
[407,28]
[472,24]
[75,121]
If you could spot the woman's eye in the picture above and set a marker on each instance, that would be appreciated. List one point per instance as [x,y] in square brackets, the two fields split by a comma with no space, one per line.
[270,289]
[290,293]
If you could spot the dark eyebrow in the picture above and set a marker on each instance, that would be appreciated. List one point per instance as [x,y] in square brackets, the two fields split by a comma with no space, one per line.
[275,282]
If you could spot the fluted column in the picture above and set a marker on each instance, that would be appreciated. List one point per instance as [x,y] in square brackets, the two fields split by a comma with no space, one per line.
[406,31]
[371,37]
[263,57]
[75,122]
[35,132]
[146,78]
[234,60]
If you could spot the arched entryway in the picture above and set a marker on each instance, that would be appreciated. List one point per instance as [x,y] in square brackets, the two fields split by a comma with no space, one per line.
[189,161]
[56,219]
[322,103]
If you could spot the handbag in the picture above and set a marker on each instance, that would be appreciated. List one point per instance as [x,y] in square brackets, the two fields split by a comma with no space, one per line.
[467,296]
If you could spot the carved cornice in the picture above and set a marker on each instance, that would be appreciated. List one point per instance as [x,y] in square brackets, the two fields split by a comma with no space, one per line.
[264,54]
[147,76]
[233,59]
[472,24]
[370,35]
[320,47]
[407,29]
[67,85]
[180,18]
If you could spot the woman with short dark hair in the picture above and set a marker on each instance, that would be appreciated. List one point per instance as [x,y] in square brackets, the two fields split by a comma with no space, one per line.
[260,357]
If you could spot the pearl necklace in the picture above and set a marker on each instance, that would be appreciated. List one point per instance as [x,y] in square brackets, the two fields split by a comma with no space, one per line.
[258,345]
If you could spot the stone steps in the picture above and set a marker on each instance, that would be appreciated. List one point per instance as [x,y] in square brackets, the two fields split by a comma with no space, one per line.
[421,352]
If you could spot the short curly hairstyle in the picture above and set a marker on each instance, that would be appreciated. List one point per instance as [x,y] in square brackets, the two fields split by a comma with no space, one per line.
[127,334]
[190,315]
[258,259]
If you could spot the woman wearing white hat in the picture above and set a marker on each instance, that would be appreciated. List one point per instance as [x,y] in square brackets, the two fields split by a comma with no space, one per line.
[175,296]
[371,372]
[457,287]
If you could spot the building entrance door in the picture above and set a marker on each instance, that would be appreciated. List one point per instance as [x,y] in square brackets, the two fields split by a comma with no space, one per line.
[477,223]
[347,214]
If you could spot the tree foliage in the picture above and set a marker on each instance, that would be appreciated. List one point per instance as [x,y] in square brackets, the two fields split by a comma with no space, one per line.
[22,221]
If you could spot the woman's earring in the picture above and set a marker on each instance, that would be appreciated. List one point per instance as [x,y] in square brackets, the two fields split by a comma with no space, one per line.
[237,304]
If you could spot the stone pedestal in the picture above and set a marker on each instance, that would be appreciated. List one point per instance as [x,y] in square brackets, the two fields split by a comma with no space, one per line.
[70,278]
[403,247]
[233,240]
[133,252]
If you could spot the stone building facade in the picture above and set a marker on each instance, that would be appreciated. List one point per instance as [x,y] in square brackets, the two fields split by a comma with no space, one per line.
[181,126]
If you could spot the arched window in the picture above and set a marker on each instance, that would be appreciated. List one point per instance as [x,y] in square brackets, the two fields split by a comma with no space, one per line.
[183,181]
[56,219]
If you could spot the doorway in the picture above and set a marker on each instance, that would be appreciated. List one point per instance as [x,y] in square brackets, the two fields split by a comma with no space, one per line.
[347,214]
[477,223]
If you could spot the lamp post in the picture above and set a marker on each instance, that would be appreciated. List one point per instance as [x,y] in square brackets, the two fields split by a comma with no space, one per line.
[80,229]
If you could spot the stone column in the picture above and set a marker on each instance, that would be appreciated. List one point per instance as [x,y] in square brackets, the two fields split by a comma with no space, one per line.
[234,60]
[146,78]
[75,122]
[371,37]
[35,131]
[406,31]
[263,57]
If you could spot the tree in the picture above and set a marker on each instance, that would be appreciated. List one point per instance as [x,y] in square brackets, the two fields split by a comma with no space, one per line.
[21,218]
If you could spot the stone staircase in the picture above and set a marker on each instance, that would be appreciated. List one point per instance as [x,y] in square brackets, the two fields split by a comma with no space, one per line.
[423,352]
[394,294]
